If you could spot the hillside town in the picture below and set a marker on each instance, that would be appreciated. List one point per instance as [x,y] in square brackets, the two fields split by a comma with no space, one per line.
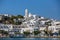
[28,26]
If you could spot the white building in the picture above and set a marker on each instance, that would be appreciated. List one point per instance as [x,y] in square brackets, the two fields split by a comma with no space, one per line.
[29,29]
[5,27]
[26,14]
[55,27]
[42,28]
[10,27]
[1,17]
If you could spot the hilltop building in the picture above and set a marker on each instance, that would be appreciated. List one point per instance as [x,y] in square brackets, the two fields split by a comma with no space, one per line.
[26,14]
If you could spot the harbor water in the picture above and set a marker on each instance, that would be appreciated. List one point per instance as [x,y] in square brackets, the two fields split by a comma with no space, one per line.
[29,38]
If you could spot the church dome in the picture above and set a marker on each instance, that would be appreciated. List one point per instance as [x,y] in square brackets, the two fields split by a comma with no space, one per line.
[30,15]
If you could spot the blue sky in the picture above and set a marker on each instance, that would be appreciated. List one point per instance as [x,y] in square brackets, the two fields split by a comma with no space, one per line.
[46,8]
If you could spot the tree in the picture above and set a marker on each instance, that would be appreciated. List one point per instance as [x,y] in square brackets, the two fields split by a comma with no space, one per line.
[20,16]
[26,33]
[59,32]
[16,17]
[13,17]
[3,32]
[48,23]
[17,32]
[36,32]
[50,33]
[46,32]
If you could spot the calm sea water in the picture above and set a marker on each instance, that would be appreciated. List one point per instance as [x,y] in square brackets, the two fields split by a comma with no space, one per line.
[29,38]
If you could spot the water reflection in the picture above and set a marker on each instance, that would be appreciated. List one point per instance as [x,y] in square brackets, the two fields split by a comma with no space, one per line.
[55,38]
[29,38]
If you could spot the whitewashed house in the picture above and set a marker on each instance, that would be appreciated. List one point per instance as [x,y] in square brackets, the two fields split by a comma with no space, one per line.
[55,27]
[5,27]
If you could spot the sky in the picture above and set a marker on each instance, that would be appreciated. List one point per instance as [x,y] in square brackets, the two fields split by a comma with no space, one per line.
[45,8]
